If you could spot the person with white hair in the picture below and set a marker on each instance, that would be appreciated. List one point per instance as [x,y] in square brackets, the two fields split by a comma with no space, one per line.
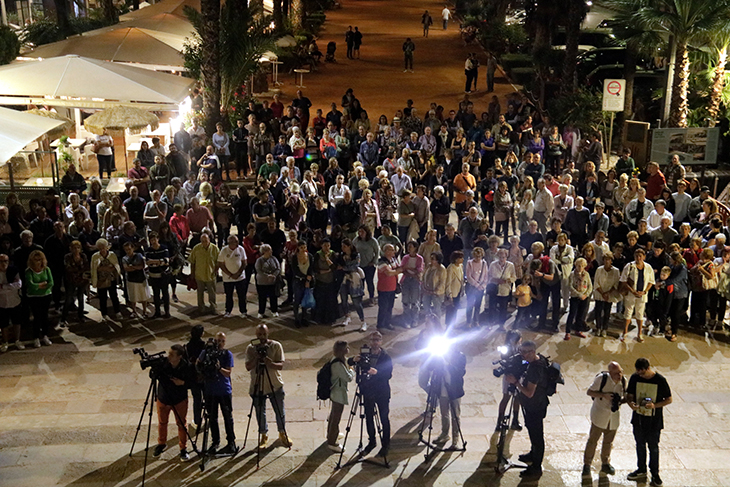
[105,273]
[440,210]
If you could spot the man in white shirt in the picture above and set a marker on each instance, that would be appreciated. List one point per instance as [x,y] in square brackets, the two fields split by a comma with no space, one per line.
[232,263]
[600,246]
[681,204]
[446,15]
[543,206]
[655,217]
[401,182]
[607,391]
[639,278]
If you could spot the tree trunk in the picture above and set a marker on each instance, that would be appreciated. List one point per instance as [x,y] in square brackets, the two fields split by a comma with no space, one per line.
[572,35]
[718,83]
[297,12]
[110,11]
[629,75]
[278,16]
[210,11]
[61,7]
[680,106]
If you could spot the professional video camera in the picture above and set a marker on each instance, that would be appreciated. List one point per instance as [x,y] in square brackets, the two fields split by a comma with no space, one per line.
[510,363]
[210,363]
[262,347]
[615,401]
[365,363]
[154,361]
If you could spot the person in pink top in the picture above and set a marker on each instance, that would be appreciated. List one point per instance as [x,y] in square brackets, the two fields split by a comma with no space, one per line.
[412,266]
[199,218]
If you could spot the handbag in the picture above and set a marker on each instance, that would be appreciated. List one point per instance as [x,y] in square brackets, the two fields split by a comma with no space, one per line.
[709,283]
[308,301]
[278,285]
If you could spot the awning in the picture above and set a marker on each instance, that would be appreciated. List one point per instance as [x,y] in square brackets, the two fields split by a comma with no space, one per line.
[123,45]
[75,81]
[18,129]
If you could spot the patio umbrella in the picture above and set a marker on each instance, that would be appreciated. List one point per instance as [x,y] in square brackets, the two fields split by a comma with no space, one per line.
[286,41]
[118,120]
[58,131]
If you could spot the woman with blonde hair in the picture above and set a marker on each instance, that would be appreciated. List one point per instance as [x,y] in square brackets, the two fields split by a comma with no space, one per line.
[619,194]
[369,211]
[38,285]
[105,272]
[477,277]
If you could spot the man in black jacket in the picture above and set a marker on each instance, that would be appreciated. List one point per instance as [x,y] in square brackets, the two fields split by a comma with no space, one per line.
[176,376]
[375,389]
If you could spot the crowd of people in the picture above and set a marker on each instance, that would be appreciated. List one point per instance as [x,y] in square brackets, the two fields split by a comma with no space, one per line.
[453,210]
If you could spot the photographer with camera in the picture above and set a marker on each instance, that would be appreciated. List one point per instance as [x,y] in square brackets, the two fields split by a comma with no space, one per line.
[510,354]
[216,365]
[374,370]
[173,379]
[532,387]
[607,391]
[266,357]
[647,395]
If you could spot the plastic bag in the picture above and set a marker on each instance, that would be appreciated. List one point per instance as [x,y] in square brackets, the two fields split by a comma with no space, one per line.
[308,299]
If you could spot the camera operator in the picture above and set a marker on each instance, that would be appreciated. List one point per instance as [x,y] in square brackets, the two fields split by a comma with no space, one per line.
[647,395]
[512,345]
[446,373]
[607,391]
[268,354]
[173,380]
[193,349]
[375,388]
[533,397]
[218,392]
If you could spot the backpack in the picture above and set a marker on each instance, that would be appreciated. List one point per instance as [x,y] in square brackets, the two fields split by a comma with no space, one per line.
[554,376]
[604,379]
[324,381]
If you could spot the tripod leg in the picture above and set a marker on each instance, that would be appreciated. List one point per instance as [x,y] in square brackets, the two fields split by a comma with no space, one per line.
[141,416]
[149,429]
[206,429]
[355,405]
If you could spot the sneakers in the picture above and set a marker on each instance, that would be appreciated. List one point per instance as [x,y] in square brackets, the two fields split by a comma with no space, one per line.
[105,318]
[337,448]
[621,337]
[36,343]
[656,481]
[263,440]
[46,341]
[637,475]
[284,438]
[531,472]
[363,327]
[184,456]
[227,314]
[608,469]
[368,448]
[346,322]
[383,452]
[213,449]
[276,315]
[19,345]
[525,458]
[158,450]
[229,449]
[586,471]
[516,426]
[4,347]
[62,325]
[259,316]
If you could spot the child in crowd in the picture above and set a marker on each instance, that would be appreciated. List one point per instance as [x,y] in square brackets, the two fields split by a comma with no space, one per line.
[580,290]
[660,303]
[525,294]
[137,289]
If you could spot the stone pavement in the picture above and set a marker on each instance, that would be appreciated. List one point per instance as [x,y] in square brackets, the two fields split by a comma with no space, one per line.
[68,413]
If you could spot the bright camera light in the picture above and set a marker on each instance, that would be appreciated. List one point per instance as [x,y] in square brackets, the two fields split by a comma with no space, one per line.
[438,346]
[503,349]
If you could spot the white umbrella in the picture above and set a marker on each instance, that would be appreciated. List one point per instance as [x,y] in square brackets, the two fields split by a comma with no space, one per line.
[18,129]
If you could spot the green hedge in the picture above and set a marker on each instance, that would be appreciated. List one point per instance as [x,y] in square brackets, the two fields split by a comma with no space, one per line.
[9,45]
[512,61]
[522,76]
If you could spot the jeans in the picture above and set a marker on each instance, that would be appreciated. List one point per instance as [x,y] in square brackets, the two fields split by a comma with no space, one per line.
[577,314]
[325,295]
[163,416]
[105,165]
[161,293]
[59,280]
[677,313]
[297,300]
[698,307]
[451,310]
[369,279]
[72,292]
[277,402]
[408,61]
[501,229]
[552,292]
[534,425]
[333,422]
[593,436]
[267,291]
[647,437]
[226,404]
[432,303]
[603,313]
[111,292]
[356,302]
[39,307]
[386,300]
[490,80]
[241,289]
[541,219]
[204,286]
[403,234]
[474,298]
[383,403]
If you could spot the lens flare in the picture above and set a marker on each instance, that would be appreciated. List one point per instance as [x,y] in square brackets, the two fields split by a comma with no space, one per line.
[438,346]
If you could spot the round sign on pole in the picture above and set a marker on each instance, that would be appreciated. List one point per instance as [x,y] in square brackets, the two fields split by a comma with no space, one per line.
[614,88]
[614,91]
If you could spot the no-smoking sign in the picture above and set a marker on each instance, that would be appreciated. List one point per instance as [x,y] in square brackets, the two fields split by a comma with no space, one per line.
[613,95]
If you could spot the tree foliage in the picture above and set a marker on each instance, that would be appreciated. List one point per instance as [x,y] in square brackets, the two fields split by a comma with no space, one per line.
[581,108]
[9,45]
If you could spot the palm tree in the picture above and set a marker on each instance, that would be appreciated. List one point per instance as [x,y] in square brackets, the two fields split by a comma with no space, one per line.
[639,41]
[577,11]
[687,21]
[719,40]
[207,26]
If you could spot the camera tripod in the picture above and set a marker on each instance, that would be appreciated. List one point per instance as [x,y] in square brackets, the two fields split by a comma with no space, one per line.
[434,396]
[504,464]
[358,408]
[260,397]
[152,394]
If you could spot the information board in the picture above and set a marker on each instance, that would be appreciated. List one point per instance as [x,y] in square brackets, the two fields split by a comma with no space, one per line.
[696,145]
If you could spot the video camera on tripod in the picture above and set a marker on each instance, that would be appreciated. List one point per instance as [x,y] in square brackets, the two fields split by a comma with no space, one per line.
[154,362]
[510,363]
[261,346]
[210,364]
[364,364]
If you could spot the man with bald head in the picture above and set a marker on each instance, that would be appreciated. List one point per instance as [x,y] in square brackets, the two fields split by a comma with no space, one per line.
[265,360]
[218,393]
[607,391]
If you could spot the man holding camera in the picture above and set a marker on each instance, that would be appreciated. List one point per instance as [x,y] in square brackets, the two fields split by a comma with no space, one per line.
[532,387]
[607,392]
[217,365]
[172,394]
[647,395]
[373,376]
[265,360]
